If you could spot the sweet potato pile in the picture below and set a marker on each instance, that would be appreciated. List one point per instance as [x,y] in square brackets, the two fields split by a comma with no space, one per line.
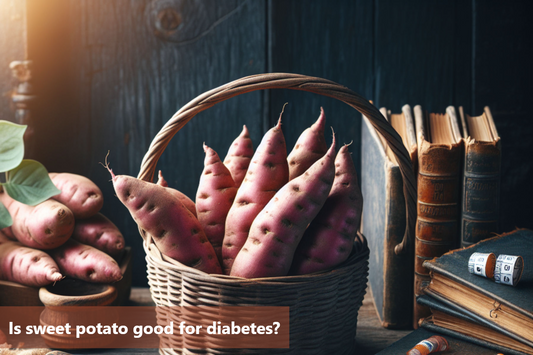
[257,213]
[65,235]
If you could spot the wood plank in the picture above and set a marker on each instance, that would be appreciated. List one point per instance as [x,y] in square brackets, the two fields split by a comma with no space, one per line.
[47,48]
[13,45]
[130,68]
[332,42]
[463,55]
[502,80]
[414,54]
[110,74]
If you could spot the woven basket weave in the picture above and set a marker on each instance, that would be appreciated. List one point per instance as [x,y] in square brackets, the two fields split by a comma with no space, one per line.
[323,306]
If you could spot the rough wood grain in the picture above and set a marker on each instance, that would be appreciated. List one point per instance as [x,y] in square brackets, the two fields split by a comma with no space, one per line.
[502,77]
[108,74]
[47,42]
[12,47]
[128,79]
[329,41]
[414,54]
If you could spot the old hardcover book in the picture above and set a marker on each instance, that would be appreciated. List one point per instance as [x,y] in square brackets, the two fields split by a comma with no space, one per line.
[383,222]
[404,124]
[481,178]
[506,308]
[459,324]
[440,152]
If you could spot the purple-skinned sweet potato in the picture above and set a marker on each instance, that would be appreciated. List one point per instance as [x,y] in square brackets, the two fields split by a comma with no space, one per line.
[44,226]
[86,263]
[239,156]
[279,227]
[99,232]
[176,232]
[215,195]
[310,146]
[82,196]
[27,266]
[267,173]
[329,239]
[187,202]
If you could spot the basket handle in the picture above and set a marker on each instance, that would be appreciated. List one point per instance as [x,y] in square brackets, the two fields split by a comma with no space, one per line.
[294,82]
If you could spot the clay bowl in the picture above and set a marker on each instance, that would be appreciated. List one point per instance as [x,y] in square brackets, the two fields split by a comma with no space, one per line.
[70,301]
[72,292]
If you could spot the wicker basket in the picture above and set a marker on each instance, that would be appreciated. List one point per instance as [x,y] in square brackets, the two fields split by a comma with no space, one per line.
[323,306]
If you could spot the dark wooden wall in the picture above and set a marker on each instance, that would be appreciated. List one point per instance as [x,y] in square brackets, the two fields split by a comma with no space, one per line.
[109,74]
[12,47]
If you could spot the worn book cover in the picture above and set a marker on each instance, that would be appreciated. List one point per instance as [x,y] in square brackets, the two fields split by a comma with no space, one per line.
[450,321]
[507,308]
[383,224]
[481,177]
[440,152]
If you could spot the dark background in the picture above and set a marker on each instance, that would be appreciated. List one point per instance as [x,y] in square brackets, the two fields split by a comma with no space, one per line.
[108,74]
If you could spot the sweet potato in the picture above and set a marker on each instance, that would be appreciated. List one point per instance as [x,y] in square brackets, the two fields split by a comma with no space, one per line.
[3,341]
[310,146]
[44,226]
[187,202]
[99,232]
[267,173]
[4,237]
[215,195]
[176,232]
[329,239]
[277,230]
[239,156]
[78,193]
[27,266]
[86,263]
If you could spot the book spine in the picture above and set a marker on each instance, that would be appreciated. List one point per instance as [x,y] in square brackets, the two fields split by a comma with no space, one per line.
[481,191]
[397,269]
[438,208]
[383,224]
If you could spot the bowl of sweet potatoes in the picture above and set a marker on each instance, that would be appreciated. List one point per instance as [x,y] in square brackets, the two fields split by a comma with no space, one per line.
[269,225]
[62,239]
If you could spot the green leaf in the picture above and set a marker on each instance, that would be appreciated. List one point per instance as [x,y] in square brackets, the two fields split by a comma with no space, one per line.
[11,145]
[29,183]
[5,217]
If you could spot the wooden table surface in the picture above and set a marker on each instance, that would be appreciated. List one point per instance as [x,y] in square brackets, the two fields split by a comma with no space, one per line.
[371,337]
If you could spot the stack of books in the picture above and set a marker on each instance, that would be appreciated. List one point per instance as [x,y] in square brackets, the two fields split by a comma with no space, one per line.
[456,158]
[478,309]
